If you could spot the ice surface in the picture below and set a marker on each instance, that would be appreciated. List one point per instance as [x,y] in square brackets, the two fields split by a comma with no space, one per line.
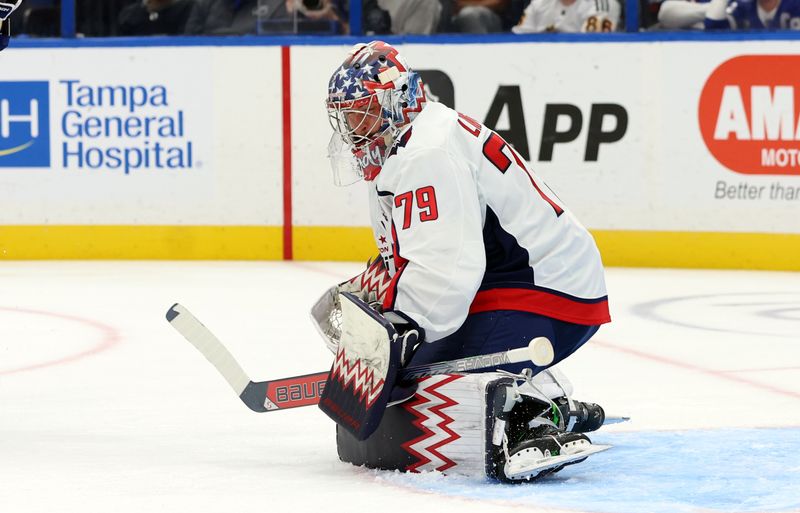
[104,408]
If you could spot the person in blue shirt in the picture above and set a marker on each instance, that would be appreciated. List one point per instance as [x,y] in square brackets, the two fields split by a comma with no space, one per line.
[6,8]
[753,14]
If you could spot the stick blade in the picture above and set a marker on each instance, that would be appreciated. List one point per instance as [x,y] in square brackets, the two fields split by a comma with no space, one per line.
[615,419]
[209,346]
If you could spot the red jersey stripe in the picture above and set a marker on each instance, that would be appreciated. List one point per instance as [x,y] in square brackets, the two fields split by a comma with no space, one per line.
[543,303]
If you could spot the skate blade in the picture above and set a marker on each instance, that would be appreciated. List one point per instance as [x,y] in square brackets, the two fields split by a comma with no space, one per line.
[520,468]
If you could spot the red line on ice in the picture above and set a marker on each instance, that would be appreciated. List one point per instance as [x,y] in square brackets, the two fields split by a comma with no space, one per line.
[767,369]
[702,370]
[110,337]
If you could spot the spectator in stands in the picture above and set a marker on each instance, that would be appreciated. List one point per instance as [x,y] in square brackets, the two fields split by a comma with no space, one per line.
[332,11]
[329,10]
[270,16]
[154,17]
[95,18]
[569,16]
[479,16]
[753,14]
[223,17]
[413,16]
[682,14]
[374,19]
[38,18]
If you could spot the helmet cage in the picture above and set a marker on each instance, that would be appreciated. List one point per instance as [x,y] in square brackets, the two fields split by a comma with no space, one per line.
[361,156]
[374,112]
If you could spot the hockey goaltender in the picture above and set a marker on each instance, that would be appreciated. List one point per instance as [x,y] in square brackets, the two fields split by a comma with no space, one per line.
[476,255]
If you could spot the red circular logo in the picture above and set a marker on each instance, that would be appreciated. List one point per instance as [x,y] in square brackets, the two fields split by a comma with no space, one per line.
[749,114]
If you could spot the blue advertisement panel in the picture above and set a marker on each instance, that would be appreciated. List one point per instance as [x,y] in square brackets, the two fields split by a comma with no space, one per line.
[24,124]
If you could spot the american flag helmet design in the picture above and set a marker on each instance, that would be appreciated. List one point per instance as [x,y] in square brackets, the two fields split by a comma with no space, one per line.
[373,74]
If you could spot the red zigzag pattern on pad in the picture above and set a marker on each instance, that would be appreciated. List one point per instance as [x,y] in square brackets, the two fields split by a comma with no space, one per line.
[362,378]
[437,435]
[374,279]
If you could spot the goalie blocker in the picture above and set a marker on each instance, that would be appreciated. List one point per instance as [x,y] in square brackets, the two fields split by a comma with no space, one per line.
[368,358]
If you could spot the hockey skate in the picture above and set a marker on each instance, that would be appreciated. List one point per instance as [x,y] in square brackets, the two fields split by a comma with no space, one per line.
[537,439]
[547,451]
[579,416]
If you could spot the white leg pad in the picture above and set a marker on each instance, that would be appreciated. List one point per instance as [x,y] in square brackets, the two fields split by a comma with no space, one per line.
[446,427]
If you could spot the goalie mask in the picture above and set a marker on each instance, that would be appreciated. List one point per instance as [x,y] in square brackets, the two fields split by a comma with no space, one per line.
[371,97]
[6,8]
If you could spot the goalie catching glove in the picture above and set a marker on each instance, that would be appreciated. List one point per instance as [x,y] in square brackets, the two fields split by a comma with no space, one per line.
[369,286]
[369,354]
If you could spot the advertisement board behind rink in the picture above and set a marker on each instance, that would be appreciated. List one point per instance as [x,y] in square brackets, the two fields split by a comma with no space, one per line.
[126,127]
[140,136]
[119,125]
[116,137]
[563,122]
[640,140]
[748,114]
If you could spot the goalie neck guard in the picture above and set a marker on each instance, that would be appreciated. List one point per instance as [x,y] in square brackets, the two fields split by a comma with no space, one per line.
[372,96]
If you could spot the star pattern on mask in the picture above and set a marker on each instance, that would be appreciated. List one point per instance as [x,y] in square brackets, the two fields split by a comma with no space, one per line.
[347,82]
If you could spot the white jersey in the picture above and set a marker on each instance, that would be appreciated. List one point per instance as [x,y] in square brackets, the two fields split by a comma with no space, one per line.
[580,16]
[464,227]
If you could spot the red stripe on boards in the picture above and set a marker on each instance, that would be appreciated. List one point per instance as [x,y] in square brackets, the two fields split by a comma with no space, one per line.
[287,151]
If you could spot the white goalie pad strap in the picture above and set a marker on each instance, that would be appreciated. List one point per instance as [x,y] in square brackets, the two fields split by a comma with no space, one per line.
[451,411]
[553,383]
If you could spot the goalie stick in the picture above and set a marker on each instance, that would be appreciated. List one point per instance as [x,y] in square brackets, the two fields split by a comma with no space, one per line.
[305,390]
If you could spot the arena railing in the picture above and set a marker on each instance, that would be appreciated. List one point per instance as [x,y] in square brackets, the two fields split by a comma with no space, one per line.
[631,33]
